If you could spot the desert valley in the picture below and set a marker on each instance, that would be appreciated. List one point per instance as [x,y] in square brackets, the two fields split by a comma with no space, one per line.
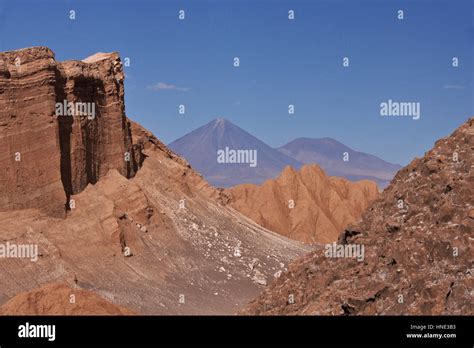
[125,225]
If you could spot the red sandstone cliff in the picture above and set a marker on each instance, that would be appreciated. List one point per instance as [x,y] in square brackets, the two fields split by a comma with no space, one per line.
[47,158]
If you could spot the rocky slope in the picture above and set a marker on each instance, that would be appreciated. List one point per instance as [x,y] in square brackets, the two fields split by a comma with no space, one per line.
[60,299]
[305,205]
[418,239]
[144,231]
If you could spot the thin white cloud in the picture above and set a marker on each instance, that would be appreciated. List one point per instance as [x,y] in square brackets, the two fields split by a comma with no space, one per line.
[162,86]
[453,87]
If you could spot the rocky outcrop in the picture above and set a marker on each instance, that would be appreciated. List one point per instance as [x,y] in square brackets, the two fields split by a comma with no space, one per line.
[417,237]
[62,126]
[61,299]
[305,205]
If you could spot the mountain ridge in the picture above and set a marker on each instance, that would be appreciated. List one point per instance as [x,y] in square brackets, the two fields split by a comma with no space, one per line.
[329,153]
[200,146]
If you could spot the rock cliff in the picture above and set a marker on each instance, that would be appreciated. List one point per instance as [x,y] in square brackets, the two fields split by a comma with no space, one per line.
[62,126]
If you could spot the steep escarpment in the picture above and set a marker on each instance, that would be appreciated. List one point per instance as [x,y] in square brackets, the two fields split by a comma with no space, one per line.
[418,238]
[62,126]
[305,205]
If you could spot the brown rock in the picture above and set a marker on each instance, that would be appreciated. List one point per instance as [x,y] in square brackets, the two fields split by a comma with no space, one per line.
[307,206]
[61,299]
[48,157]
[29,150]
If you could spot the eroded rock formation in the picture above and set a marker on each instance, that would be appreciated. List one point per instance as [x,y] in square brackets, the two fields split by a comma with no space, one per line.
[49,156]
[305,205]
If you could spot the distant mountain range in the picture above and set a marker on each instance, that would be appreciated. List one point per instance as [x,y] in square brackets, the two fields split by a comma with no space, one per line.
[338,159]
[213,150]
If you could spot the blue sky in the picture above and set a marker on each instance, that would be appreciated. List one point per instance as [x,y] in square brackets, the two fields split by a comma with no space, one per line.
[282,62]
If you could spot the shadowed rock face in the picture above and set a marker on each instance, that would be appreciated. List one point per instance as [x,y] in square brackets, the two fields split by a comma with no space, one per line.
[48,157]
[147,234]
[305,205]
[418,247]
